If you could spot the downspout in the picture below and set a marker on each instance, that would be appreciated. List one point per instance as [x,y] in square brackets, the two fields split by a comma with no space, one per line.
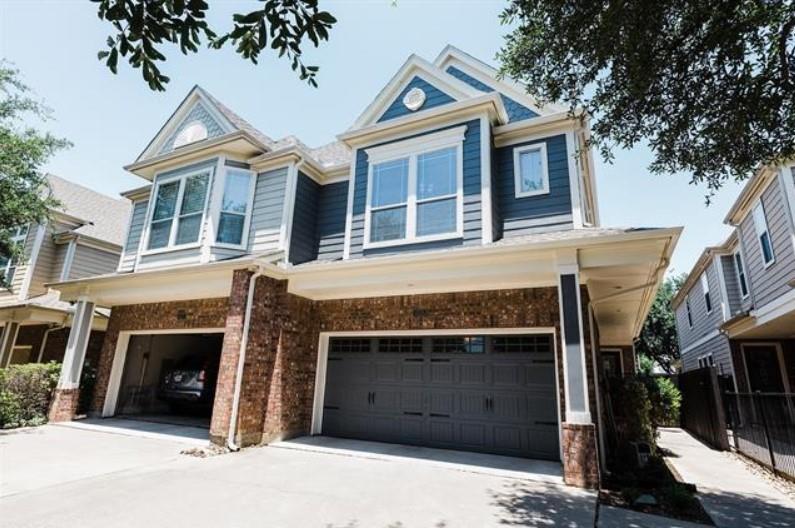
[44,340]
[241,359]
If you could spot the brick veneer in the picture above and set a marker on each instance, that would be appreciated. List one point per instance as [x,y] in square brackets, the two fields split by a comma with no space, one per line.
[203,313]
[281,356]
[64,405]
[580,467]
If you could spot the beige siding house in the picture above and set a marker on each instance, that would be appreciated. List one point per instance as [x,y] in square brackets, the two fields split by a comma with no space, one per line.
[84,238]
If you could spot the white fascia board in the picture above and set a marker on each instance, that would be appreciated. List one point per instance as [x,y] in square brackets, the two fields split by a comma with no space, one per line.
[489,104]
[414,65]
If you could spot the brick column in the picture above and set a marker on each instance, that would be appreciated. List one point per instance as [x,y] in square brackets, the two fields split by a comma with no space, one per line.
[580,455]
[64,403]
[275,398]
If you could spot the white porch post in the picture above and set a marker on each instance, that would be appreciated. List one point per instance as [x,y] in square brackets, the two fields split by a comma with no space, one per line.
[571,326]
[8,339]
[578,432]
[64,403]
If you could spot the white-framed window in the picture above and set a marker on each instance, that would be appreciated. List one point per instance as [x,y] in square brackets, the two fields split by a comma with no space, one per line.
[234,216]
[763,235]
[7,264]
[705,289]
[689,312]
[177,215]
[707,360]
[530,171]
[415,190]
[739,268]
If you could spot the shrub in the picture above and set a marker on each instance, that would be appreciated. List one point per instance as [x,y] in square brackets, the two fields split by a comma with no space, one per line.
[665,401]
[632,410]
[25,393]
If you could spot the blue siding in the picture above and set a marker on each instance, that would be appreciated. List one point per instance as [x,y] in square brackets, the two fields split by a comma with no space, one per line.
[525,215]
[332,209]
[516,111]
[472,199]
[303,237]
[433,97]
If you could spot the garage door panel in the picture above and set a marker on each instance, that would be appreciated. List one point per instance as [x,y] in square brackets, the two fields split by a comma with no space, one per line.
[447,394]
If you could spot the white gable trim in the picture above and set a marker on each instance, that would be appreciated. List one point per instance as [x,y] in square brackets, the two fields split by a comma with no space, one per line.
[195,97]
[452,56]
[414,66]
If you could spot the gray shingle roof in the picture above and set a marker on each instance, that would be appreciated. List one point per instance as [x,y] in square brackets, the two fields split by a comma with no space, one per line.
[106,218]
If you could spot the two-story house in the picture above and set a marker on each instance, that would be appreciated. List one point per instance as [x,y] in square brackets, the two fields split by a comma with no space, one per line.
[83,238]
[736,311]
[437,276]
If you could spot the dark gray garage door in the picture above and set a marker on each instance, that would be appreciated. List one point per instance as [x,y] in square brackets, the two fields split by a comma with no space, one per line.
[493,394]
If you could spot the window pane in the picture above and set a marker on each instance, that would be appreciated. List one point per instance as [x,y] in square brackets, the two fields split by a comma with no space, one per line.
[166,201]
[531,169]
[236,192]
[159,233]
[193,196]
[230,228]
[767,249]
[388,224]
[390,183]
[436,173]
[436,217]
[188,229]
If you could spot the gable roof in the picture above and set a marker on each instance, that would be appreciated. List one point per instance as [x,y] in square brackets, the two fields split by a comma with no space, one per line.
[228,120]
[488,76]
[104,218]
[414,66]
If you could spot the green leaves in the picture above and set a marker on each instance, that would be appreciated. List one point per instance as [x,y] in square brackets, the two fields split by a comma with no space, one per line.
[23,150]
[143,26]
[658,340]
[710,86]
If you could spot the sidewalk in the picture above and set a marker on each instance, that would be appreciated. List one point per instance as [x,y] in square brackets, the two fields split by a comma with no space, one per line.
[732,495]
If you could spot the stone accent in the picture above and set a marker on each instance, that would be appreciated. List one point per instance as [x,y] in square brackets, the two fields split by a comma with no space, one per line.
[580,455]
[203,313]
[64,405]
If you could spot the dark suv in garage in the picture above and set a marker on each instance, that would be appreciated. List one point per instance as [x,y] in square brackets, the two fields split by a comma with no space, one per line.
[191,381]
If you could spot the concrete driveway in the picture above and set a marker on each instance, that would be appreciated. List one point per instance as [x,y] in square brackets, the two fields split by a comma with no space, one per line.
[98,479]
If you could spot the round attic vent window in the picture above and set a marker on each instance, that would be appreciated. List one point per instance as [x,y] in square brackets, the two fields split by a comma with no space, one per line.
[193,131]
[414,99]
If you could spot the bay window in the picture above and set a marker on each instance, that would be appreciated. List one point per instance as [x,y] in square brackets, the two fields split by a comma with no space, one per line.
[415,190]
[740,269]
[233,217]
[178,212]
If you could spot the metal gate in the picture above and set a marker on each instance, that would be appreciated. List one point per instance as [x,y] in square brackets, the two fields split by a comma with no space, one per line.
[493,394]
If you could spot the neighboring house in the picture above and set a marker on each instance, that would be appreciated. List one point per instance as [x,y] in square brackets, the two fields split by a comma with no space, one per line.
[736,311]
[436,277]
[83,238]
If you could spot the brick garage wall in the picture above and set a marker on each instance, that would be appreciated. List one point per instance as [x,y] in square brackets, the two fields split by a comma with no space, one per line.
[180,315]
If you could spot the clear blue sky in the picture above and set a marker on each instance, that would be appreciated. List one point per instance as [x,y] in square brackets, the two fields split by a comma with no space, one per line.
[110,119]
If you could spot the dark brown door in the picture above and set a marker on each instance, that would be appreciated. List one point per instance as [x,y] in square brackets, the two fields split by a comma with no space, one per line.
[764,369]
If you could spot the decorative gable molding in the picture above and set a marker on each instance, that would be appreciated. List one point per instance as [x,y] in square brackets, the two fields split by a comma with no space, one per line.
[393,93]
[487,76]
[197,108]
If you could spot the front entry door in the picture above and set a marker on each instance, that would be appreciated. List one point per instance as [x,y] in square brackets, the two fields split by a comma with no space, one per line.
[763,367]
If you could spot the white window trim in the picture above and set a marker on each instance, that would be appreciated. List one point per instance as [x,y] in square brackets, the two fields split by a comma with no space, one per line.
[688,311]
[517,173]
[175,219]
[411,149]
[249,206]
[737,274]
[20,236]
[760,230]
[705,291]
